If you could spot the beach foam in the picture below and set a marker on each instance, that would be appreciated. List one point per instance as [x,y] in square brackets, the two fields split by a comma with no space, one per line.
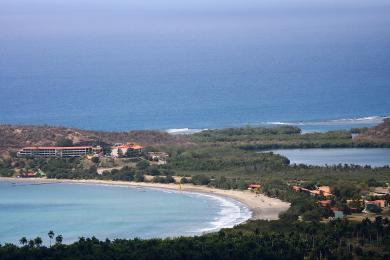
[319,125]
[184,131]
[231,213]
[340,121]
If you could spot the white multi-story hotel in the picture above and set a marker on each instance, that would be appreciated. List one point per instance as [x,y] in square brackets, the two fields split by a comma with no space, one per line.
[59,151]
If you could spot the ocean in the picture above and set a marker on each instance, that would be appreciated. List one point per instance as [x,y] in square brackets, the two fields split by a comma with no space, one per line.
[103,211]
[184,65]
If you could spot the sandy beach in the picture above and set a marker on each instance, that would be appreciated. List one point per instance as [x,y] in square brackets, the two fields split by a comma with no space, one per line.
[262,207]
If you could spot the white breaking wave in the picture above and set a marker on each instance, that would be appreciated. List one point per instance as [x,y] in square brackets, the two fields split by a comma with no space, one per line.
[368,120]
[232,213]
[183,131]
[341,121]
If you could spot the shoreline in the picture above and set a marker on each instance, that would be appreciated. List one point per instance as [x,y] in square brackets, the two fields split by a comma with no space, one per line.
[261,206]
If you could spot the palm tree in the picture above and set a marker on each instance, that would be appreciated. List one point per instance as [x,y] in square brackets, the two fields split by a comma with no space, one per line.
[38,241]
[59,239]
[23,241]
[51,235]
[31,243]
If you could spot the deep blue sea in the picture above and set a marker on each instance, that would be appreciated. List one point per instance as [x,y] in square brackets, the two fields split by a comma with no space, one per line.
[120,65]
[75,210]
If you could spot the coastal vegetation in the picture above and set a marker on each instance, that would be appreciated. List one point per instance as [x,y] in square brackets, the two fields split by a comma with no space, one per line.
[223,165]
[281,239]
[224,158]
[13,137]
[284,137]
[228,159]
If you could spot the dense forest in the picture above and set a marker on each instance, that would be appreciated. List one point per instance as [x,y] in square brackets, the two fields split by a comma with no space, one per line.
[281,239]
[249,138]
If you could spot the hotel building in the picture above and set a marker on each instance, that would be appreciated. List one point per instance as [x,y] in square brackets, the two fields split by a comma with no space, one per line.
[131,149]
[61,152]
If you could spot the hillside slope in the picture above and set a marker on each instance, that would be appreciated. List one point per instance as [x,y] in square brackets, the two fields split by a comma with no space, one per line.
[380,132]
[13,137]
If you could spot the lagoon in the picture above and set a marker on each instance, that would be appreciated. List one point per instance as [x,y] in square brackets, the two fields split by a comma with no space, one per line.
[376,157]
[105,211]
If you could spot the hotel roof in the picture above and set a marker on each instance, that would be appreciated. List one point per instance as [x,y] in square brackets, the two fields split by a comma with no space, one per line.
[128,146]
[56,147]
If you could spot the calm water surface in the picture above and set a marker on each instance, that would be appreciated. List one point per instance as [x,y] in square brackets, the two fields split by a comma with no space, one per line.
[136,64]
[75,210]
[359,156]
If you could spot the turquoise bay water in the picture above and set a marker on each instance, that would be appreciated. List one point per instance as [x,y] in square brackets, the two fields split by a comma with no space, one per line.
[376,157]
[76,210]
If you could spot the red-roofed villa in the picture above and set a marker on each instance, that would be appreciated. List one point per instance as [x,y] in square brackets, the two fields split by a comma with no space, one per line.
[125,149]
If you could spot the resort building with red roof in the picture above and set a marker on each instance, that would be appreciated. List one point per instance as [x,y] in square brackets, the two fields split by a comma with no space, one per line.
[120,150]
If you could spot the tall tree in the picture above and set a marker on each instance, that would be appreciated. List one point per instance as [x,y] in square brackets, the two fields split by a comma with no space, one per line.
[31,243]
[38,241]
[23,241]
[59,239]
[51,235]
